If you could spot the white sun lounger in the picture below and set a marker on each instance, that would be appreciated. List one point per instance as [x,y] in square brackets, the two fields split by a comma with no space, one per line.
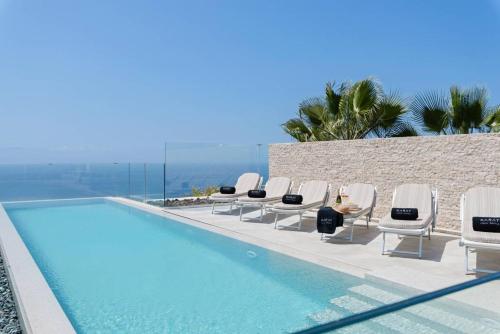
[419,196]
[314,193]
[364,196]
[275,188]
[479,202]
[246,182]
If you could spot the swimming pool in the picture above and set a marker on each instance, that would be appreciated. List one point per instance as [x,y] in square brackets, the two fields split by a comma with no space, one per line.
[117,269]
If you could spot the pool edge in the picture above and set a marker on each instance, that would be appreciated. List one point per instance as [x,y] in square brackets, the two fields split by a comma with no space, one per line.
[38,309]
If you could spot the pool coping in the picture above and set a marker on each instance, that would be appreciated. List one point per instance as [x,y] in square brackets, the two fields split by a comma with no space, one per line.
[35,301]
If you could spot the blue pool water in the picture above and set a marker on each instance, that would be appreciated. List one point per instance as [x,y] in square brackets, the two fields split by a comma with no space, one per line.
[116,269]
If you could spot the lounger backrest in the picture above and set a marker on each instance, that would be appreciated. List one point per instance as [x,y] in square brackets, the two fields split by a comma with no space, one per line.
[277,186]
[413,196]
[481,202]
[246,182]
[313,191]
[361,194]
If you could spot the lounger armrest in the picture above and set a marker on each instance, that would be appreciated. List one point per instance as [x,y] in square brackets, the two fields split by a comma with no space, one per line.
[225,196]
[357,214]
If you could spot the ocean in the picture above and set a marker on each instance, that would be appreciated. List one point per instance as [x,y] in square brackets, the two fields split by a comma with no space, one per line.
[134,180]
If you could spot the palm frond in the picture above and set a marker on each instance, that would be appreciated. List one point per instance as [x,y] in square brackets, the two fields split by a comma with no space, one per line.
[391,108]
[364,95]
[312,111]
[402,129]
[469,108]
[332,100]
[431,112]
[296,128]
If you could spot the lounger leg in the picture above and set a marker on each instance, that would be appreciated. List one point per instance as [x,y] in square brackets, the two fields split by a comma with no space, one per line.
[321,236]
[466,259]
[300,220]
[352,231]
[261,213]
[213,207]
[476,269]
[429,232]
[231,208]
[383,243]
[241,212]
[367,220]
[420,247]
[275,220]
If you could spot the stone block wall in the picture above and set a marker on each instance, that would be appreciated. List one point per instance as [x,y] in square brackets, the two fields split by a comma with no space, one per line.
[452,164]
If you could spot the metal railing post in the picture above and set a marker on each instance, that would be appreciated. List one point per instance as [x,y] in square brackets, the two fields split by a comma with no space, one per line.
[165,176]
[129,188]
[164,184]
[145,183]
[258,159]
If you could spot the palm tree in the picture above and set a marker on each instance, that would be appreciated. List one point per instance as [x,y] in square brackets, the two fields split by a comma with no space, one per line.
[352,111]
[463,111]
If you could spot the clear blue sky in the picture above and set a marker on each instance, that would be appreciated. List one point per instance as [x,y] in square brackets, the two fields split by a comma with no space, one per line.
[111,80]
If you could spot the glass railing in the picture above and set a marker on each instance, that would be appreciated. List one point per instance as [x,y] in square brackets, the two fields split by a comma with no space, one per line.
[56,181]
[198,166]
[188,169]
[470,307]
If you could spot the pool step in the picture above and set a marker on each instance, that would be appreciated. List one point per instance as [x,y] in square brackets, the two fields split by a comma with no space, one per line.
[329,314]
[324,316]
[434,314]
[417,319]
[394,322]
[357,329]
